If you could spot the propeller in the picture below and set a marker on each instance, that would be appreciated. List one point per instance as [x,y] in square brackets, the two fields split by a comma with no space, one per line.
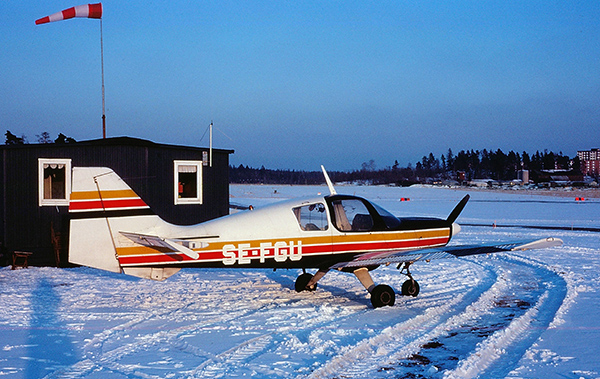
[459,207]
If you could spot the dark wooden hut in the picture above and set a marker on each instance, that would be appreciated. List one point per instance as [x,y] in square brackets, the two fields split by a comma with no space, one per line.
[179,183]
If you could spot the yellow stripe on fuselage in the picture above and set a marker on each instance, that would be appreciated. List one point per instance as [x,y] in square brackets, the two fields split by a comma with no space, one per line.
[107,194]
[391,236]
[306,241]
[218,245]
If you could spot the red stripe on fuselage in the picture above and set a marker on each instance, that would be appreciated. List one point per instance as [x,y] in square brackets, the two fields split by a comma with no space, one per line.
[388,245]
[106,204]
[307,250]
[422,243]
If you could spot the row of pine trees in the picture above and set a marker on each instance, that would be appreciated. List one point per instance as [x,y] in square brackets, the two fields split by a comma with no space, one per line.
[475,164]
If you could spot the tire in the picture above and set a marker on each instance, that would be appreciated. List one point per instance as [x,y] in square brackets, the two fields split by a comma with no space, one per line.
[302,281]
[383,295]
[410,288]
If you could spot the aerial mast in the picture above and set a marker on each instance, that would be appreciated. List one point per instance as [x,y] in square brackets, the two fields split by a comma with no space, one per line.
[210,148]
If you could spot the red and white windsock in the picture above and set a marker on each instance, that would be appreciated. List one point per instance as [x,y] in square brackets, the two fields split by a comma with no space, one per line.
[86,11]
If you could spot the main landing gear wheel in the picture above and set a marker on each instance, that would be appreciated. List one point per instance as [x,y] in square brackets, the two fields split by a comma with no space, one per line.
[302,282]
[382,295]
[410,288]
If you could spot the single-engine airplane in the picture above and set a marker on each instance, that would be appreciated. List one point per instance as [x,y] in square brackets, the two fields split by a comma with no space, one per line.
[113,229]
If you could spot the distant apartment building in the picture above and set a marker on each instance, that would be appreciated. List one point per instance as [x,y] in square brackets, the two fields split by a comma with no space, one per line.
[590,161]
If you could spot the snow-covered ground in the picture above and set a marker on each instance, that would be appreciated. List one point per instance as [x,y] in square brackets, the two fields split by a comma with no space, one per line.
[532,314]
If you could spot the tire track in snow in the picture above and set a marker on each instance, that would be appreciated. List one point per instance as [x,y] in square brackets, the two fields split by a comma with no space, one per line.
[504,338]
[239,360]
[93,351]
[218,366]
[98,359]
[278,325]
[493,355]
[127,342]
[374,354]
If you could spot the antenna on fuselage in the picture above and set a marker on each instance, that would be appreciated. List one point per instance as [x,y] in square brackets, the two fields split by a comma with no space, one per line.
[328,181]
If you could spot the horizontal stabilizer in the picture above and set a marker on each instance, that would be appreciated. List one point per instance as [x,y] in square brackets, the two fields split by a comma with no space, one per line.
[448,252]
[170,244]
[154,273]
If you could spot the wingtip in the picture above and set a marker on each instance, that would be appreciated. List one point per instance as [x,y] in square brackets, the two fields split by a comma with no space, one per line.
[540,244]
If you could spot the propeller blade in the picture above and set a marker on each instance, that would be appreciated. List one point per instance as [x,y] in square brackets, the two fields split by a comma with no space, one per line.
[459,207]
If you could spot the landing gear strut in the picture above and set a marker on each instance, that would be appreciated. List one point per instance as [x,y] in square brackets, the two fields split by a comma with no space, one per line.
[381,295]
[411,286]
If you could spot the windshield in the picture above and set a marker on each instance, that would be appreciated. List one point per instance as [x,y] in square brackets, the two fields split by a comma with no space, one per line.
[391,221]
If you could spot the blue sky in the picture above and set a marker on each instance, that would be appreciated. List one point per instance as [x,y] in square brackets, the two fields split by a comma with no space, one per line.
[296,84]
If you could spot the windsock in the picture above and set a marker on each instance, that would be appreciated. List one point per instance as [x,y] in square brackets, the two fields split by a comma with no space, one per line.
[87,11]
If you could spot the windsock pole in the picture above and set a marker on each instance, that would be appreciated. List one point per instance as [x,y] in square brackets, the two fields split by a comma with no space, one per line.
[102,64]
[85,11]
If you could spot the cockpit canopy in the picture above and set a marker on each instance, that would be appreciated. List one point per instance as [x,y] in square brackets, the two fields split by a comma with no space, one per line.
[355,214]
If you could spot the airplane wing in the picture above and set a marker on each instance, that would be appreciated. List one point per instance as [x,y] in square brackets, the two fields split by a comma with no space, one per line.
[156,241]
[366,260]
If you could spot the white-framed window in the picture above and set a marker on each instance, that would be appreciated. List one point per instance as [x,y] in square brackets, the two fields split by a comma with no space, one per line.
[54,181]
[312,217]
[188,182]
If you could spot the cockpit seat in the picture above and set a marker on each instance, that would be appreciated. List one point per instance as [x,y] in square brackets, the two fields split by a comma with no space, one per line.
[362,223]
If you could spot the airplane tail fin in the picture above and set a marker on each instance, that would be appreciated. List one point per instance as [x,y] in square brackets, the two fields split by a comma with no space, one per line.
[328,181]
[101,206]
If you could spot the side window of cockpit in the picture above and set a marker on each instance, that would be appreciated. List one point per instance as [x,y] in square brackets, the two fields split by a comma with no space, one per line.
[312,217]
[352,215]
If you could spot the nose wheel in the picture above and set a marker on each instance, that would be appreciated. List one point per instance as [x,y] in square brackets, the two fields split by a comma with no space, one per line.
[411,286]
